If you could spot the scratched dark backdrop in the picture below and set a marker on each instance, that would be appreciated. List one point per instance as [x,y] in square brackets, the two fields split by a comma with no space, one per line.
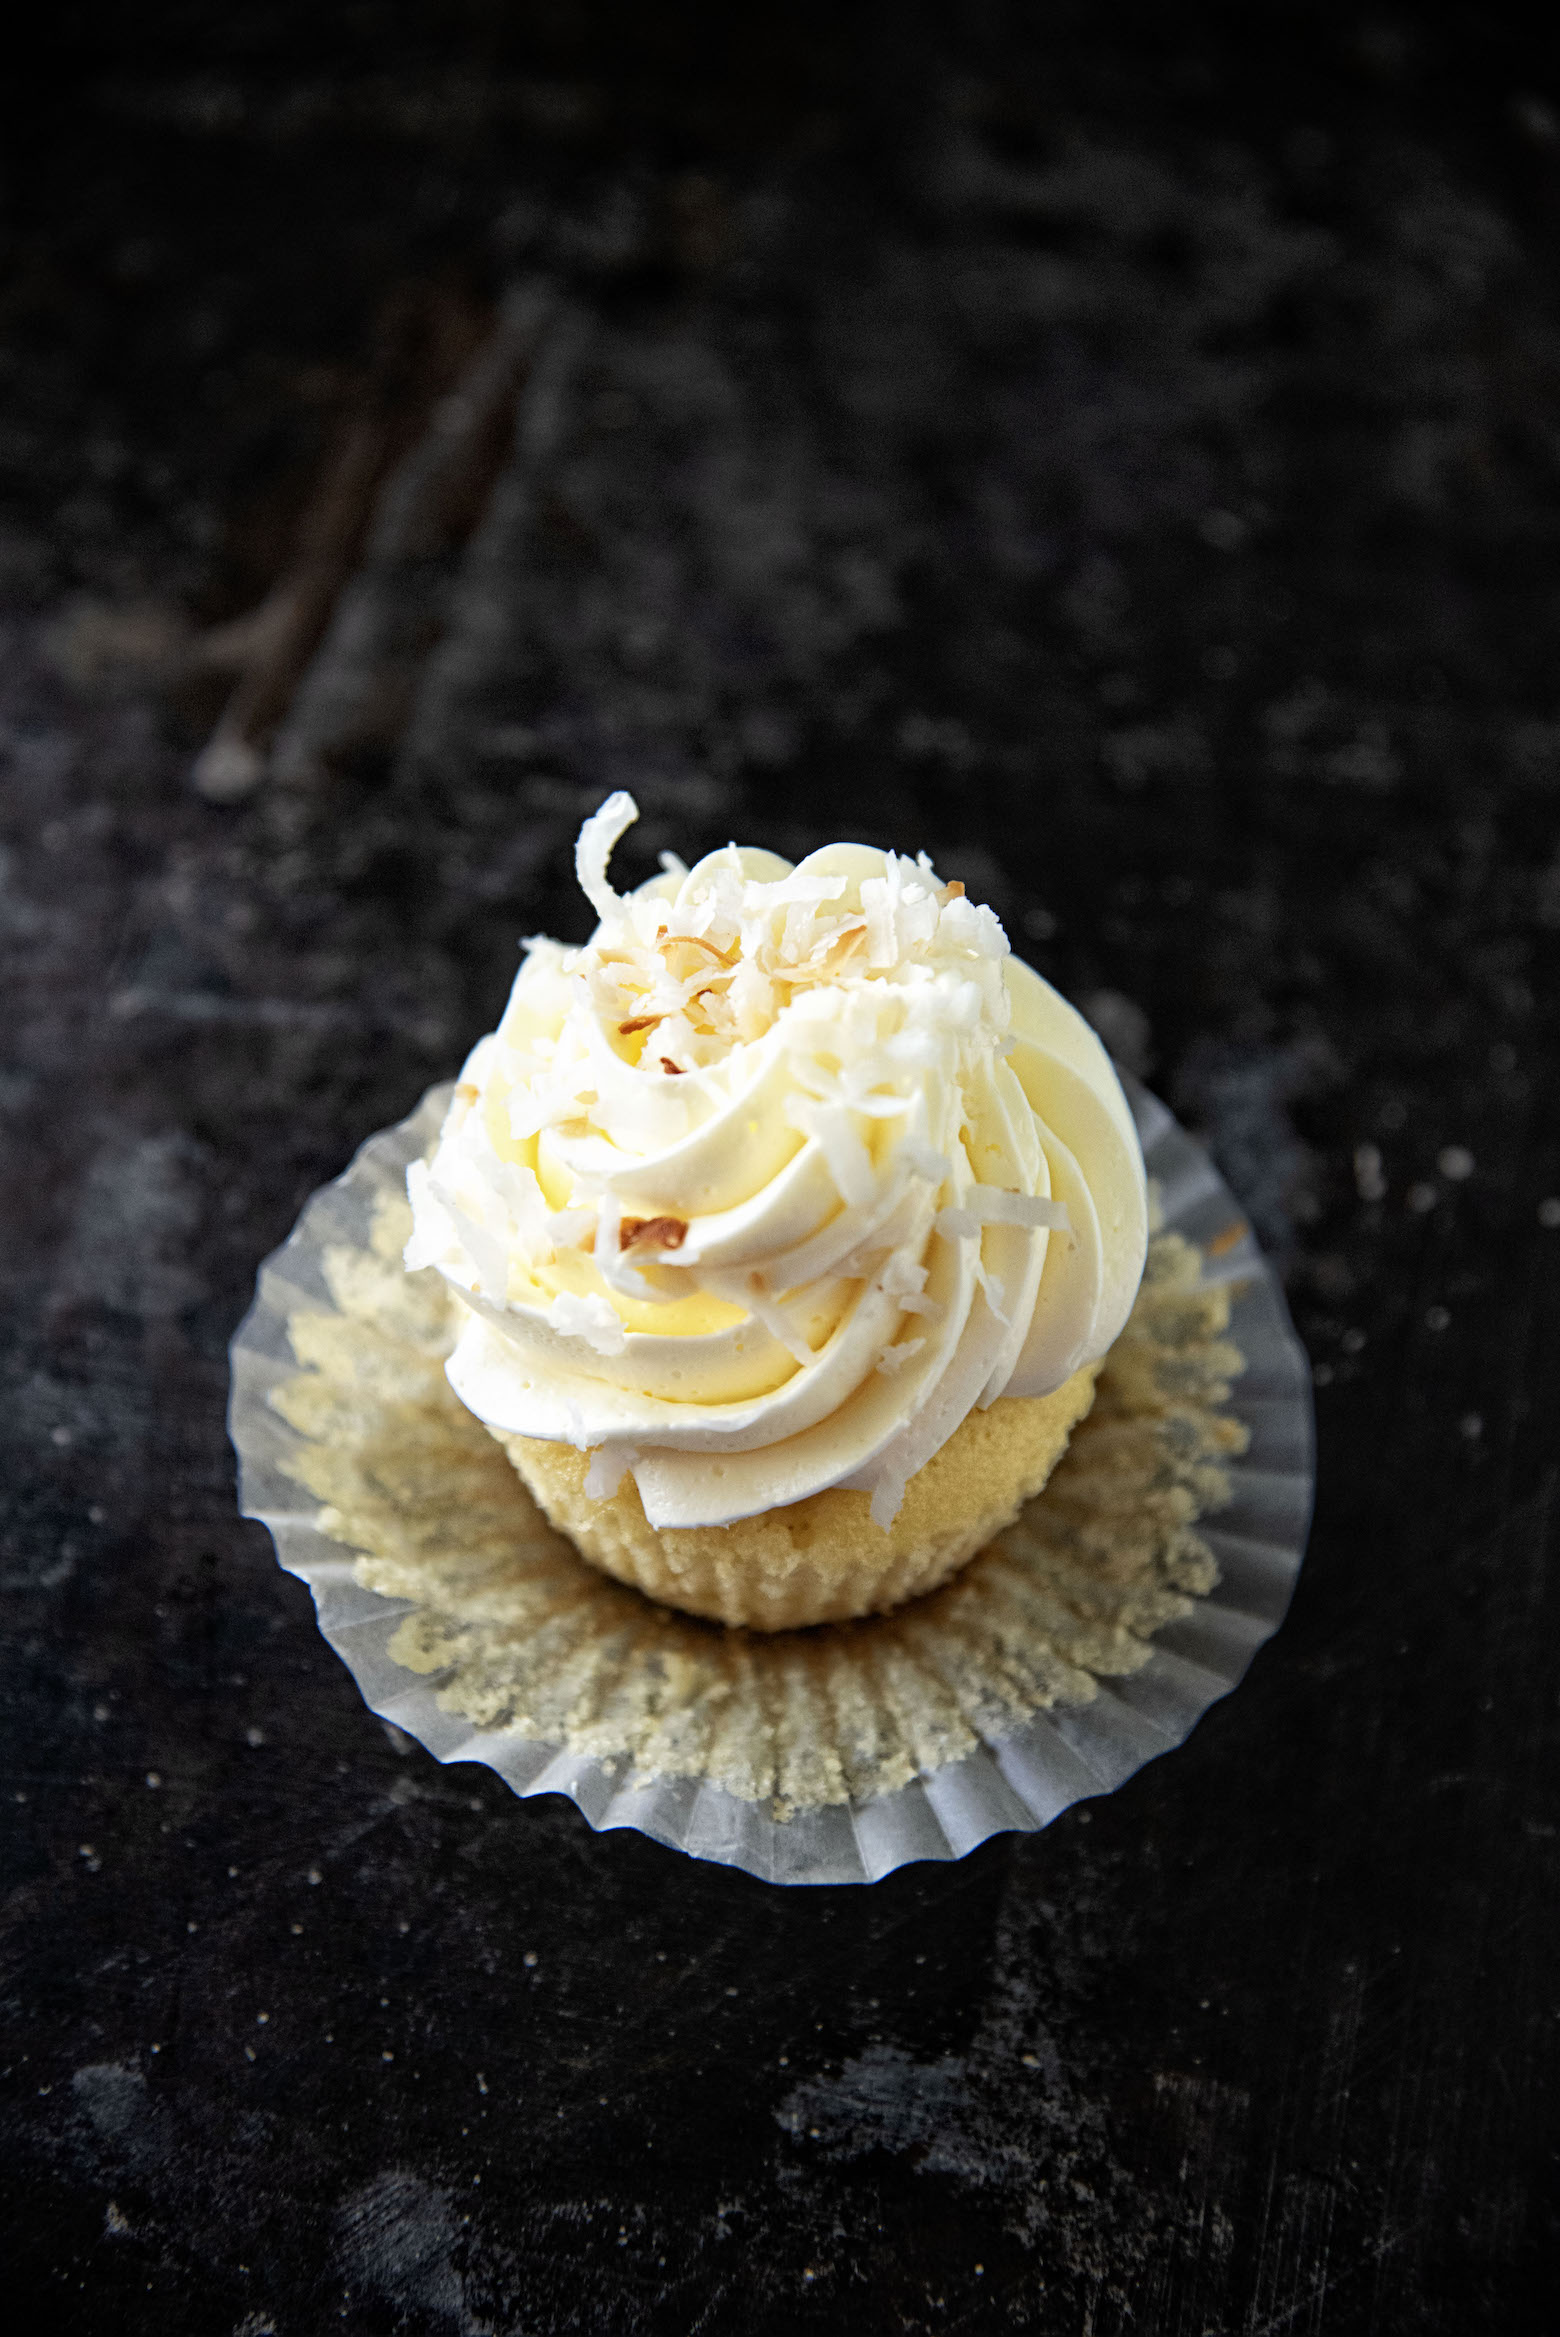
[1117,449]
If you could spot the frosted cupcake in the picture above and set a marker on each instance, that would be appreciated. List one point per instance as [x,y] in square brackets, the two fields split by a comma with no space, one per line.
[792,1217]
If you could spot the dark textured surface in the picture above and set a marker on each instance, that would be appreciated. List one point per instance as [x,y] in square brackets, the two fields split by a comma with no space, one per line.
[1120,454]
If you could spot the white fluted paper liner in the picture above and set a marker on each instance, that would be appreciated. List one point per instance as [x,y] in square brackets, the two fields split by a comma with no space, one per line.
[1020,1775]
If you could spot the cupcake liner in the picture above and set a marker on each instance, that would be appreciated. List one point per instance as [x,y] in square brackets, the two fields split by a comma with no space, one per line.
[1131,1595]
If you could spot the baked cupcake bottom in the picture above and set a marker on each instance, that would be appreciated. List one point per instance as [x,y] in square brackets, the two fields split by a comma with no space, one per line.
[821,1560]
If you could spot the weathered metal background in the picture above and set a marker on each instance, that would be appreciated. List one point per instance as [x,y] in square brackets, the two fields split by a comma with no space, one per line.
[1116,451]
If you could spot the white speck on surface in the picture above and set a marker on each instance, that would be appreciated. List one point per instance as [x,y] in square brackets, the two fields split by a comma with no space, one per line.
[1436,1318]
[1549,1212]
[1455,1162]
[1369,1176]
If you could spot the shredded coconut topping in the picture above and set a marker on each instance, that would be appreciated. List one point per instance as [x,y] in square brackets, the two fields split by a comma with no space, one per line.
[752,1174]
[710,960]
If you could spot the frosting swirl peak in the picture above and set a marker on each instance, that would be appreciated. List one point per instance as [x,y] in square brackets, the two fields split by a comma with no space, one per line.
[764,1189]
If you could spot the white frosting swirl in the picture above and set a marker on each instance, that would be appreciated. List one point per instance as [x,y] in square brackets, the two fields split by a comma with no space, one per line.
[768,1186]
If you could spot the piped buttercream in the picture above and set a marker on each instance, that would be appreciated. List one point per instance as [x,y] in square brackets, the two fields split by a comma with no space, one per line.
[777,1178]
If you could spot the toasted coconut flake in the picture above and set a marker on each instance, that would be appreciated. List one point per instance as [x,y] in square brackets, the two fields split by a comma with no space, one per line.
[722,957]
[657,1233]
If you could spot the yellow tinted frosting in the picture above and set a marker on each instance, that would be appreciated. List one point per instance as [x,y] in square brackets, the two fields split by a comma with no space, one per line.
[766,1187]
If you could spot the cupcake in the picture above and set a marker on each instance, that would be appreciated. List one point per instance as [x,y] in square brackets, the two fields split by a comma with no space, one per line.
[791,1218]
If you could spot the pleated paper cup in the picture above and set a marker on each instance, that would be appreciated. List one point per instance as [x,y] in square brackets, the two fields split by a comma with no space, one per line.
[1087,1639]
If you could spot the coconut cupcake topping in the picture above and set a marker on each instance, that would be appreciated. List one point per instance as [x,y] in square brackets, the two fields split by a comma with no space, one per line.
[769,1186]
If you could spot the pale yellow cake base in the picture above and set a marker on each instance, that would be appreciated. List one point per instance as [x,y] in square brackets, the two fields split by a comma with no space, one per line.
[821,1560]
